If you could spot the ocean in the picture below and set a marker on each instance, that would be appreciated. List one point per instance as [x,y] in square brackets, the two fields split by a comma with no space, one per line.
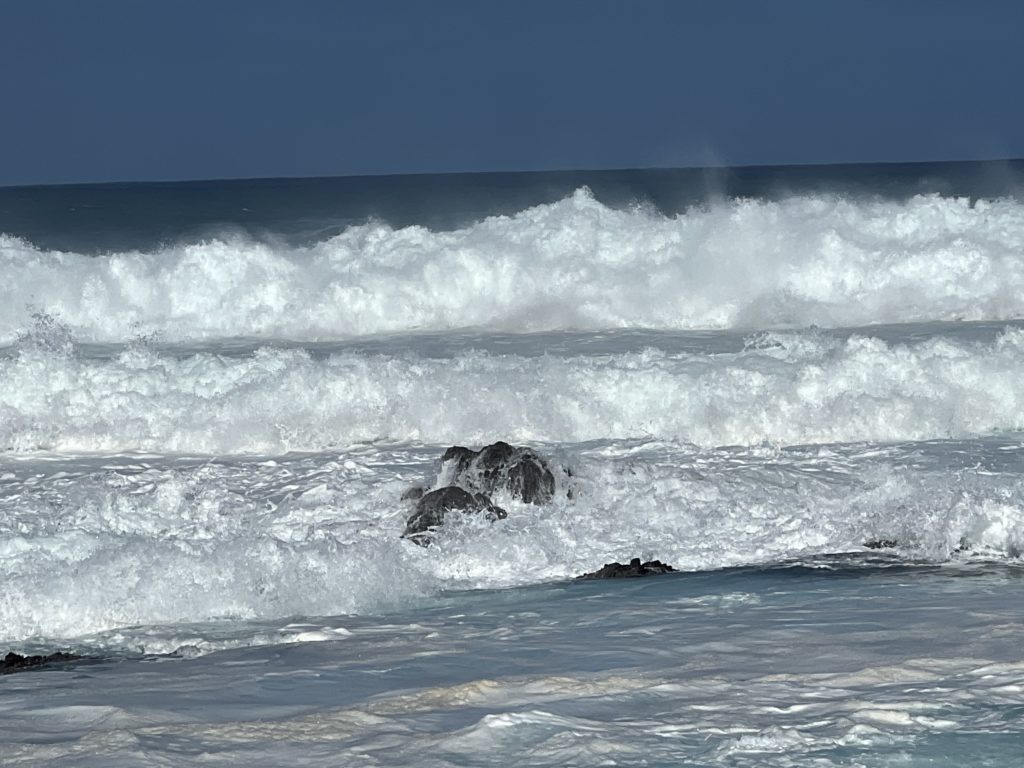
[800,386]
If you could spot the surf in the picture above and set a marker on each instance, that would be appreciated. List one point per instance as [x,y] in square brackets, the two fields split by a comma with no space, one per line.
[575,264]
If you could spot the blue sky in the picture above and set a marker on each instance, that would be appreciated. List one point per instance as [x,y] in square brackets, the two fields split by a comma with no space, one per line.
[144,90]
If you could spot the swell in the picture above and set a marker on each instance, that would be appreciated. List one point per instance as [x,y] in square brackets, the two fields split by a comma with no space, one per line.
[573,264]
[783,388]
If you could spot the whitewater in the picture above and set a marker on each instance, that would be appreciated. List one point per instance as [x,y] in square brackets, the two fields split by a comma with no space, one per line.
[573,264]
[800,388]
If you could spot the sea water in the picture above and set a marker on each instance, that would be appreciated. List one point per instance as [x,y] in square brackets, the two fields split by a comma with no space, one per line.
[213,396]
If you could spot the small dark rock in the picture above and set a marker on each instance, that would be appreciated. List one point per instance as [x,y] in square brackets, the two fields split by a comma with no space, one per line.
[881,544]
[15,662]
[432,508]
[635,568]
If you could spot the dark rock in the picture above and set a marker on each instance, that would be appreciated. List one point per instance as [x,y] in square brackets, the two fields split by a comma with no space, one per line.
[432,508]
[881,544]
[462,456]
[413,494]
[500,466]
[15,662]
[531,481]
[635,568]
[963,546]
[470,478]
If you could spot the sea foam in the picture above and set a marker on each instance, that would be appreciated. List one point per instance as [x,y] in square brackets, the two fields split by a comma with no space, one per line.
[785,388]
[574,264]
[88,546]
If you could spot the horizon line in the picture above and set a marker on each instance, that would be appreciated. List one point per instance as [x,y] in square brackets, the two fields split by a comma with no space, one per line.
[535,171]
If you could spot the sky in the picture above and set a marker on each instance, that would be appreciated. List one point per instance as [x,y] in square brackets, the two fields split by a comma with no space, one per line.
[131,90]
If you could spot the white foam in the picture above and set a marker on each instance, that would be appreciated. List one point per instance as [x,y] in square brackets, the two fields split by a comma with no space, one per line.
[788,388]
[161,550]
[572,264]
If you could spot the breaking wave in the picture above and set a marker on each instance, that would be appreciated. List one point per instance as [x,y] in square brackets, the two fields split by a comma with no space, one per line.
[104,543]
[574,264]
[784,388]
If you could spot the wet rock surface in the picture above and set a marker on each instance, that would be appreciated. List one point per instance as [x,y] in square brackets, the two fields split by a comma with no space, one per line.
[15,662]
[500,466]
[413,494]
[432,508]
[635,568]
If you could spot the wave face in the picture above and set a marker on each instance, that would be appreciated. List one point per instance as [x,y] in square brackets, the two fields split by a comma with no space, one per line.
[784,388]
[574,264]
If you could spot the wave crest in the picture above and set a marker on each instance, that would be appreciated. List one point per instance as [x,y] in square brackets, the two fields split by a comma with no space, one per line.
[574,264]
[787,388]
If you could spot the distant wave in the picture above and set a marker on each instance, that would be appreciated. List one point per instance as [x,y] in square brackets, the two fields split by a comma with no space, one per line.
[785,388]
[574,264]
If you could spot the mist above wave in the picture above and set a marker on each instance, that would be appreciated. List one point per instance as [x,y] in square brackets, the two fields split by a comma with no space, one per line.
[577,263]
[783,388]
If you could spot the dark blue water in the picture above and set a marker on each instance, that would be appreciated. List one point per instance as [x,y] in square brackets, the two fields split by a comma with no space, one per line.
[139,216]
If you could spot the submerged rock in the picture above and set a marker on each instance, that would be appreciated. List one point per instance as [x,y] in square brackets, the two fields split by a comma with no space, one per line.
[432,508]
[15,662]
[500,466]
[635,568]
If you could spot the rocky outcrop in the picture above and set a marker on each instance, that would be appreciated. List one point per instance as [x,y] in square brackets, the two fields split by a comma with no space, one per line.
[635,568]
[15,662]
[432,508]
[468,479]
[520,471]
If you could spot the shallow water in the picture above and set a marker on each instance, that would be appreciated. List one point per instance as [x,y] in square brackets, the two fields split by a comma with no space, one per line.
[836,661]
